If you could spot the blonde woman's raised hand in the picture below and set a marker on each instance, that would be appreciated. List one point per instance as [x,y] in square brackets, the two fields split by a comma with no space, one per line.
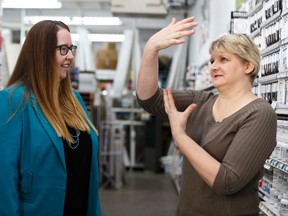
[172,34]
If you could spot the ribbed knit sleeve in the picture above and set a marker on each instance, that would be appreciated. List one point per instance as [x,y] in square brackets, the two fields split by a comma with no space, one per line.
[253,142]
[182,99]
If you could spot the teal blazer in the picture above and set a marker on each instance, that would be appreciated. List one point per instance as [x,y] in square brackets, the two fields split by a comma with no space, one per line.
[32,161]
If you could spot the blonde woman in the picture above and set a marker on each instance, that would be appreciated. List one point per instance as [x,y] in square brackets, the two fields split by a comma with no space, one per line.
[48,144]
[225,138]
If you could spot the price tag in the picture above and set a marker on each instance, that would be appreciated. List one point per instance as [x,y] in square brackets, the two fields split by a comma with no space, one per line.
[274,104]
[267,166]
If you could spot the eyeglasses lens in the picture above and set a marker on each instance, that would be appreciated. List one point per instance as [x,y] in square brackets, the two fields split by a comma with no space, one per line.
[73,49]
[65,49]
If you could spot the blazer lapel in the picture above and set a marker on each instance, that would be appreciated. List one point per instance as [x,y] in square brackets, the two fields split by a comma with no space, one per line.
[57,141]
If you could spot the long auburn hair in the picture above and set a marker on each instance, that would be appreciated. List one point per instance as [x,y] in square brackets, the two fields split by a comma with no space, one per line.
[36,70]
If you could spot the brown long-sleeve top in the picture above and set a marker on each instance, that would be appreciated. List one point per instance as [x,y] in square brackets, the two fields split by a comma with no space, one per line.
[241,143]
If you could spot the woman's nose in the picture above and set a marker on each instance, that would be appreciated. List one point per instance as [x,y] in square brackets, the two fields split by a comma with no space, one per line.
[214,66]
[70,54]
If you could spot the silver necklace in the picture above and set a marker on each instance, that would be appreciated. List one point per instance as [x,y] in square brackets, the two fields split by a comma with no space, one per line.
[74,144]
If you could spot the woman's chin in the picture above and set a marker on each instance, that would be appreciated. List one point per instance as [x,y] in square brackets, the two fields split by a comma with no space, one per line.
[217,84]
[63,75]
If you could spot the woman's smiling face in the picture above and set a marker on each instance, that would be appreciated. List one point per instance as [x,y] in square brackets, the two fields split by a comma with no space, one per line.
[63,62]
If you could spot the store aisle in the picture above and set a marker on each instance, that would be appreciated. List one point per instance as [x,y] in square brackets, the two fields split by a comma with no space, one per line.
[144,194]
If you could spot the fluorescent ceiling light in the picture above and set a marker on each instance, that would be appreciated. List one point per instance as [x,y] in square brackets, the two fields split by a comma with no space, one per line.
[31,20]
[101,37]
[97,20]
[104,21]
[31,4]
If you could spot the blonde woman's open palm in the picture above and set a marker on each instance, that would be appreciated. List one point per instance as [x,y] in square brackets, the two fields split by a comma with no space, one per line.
[172,34]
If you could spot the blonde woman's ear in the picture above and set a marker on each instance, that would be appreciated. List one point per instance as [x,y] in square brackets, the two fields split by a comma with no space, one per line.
[249,68]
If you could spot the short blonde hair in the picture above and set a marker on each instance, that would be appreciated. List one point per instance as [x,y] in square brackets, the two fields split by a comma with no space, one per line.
[241,45]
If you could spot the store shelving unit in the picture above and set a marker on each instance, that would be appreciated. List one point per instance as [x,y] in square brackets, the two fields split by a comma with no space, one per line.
[268,29]
[267,205]
[118,140]
[88,99]
[130,159]
[267,208]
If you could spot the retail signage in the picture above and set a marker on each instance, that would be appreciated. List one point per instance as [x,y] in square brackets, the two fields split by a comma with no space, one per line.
[239,22]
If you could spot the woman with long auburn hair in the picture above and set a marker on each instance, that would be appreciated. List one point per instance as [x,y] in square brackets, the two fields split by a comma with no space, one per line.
[48,143]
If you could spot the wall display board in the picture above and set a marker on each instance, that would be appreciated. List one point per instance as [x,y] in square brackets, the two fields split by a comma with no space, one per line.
[268,27]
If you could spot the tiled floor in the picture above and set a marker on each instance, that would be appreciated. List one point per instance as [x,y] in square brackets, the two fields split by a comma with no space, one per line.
[144,194]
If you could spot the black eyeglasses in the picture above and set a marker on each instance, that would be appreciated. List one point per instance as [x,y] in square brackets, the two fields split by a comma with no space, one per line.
[64,49]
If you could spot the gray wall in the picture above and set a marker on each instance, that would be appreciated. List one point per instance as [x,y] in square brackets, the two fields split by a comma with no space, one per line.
[213,17]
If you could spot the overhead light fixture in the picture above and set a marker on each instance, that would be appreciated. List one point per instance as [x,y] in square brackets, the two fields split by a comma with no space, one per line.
[104,21]
[97,20]
[101,37]
[31,20]
[31,4]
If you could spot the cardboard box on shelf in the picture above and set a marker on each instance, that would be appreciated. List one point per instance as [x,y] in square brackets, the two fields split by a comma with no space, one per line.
[107,57]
